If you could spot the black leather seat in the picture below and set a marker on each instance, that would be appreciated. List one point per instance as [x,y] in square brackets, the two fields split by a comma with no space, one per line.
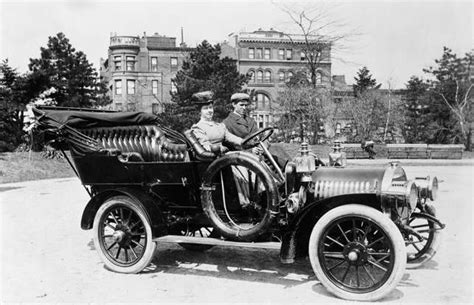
[148,141]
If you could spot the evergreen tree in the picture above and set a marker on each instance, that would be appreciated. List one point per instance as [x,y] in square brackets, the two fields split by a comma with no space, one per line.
[417,111]
[364,81]
[203,70]
[69,72]
[12,104]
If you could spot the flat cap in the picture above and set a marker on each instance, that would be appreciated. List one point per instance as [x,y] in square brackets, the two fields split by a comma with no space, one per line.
[202,98]
[239,97]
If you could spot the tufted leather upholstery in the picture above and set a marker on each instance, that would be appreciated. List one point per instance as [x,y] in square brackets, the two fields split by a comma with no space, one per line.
[149,141]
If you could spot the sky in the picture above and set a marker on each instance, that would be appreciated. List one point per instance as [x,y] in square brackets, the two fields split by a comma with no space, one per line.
[393,39]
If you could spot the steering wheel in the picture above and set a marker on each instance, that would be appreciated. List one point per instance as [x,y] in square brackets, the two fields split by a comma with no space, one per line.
[267,132]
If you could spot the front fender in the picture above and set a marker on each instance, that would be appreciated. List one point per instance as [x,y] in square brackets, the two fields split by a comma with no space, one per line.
[149,205]
[295,240]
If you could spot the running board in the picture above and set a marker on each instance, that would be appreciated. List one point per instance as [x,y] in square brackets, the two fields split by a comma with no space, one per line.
[216,242]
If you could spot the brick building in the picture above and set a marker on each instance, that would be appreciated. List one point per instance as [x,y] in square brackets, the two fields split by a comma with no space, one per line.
[139,71]
[271,57]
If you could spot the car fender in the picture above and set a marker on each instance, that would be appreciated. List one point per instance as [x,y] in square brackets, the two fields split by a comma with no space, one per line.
[149,205]
[295,240]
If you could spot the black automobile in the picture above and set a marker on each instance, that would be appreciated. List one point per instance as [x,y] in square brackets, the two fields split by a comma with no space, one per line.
[360,227]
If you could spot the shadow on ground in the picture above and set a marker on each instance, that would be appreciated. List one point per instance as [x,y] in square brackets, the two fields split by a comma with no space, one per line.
[9,188]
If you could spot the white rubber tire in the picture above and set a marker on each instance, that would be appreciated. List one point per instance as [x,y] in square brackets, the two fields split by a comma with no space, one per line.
[150,247]
[382,221]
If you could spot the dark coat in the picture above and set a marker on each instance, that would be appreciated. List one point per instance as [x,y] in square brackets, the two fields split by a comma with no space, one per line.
[239,126]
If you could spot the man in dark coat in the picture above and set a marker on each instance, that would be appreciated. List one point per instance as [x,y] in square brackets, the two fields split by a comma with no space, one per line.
[241,124]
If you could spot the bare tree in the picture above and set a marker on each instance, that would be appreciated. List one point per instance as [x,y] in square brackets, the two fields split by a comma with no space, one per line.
[453,85]
[304,109]
[317,33]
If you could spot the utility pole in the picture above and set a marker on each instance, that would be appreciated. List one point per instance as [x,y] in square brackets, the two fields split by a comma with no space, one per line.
[389,105]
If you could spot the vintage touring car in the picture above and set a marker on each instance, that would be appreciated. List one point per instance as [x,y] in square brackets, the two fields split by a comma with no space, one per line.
[360,227]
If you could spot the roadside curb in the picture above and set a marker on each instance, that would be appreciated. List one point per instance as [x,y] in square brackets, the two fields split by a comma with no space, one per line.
[411,162]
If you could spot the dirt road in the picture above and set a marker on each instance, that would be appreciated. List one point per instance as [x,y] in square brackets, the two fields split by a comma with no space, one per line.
[46,257]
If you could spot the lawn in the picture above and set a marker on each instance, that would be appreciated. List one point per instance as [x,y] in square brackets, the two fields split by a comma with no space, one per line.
[24,166]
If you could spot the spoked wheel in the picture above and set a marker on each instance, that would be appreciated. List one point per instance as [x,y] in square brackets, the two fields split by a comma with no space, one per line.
[421,251]
[123,236]
[239,197]
[357,253]
[196,231]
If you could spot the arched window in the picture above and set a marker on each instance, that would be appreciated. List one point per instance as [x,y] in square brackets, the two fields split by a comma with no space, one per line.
[281,76]
[262,101]
[268,76]
[251,73]
[319,78]
[338,128]
[259,76]
[289,75]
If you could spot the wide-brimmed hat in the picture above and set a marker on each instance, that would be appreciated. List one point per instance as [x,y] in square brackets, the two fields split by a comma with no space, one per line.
[202,98]
[239,97]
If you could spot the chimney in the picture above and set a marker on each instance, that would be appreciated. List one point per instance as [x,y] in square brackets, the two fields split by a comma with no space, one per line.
[182,44]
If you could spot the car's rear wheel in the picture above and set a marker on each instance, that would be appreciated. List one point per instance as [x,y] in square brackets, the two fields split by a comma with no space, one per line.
[197,231]
[123,235]
[357,253]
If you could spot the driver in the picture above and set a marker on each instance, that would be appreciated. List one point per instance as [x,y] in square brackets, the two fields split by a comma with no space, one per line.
[242,125]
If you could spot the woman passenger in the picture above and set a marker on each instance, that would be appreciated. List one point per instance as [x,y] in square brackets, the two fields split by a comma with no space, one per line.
[209,133]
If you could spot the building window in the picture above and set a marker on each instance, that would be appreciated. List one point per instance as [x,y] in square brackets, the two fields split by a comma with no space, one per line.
[154,64]
[266,53]
[174,62]
[118,87]
[251,53]
[303,55]
[338,128]
[130,63]
[173,88]
[281,54]
[268,76]
[318,56]
[118,63]
[131,107]
[260,121]
[251,74]
[281,76]
[289,75]
[130,87]
[154,87]
[319,78]
[262,101]
[118,107]
[289,54]
[156,108]
[259,76]
[259,53]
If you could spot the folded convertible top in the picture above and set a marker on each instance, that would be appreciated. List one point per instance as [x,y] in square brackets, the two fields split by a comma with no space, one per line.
[80,118]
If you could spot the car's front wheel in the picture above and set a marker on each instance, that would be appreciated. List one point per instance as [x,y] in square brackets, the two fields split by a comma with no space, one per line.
[420,251]
[123,235]
[357,253]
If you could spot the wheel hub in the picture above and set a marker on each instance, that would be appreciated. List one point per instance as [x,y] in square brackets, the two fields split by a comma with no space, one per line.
[119,236]
[355,253]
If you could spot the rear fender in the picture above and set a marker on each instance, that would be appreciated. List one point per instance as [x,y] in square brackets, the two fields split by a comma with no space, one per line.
[149,205]
[295,241]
